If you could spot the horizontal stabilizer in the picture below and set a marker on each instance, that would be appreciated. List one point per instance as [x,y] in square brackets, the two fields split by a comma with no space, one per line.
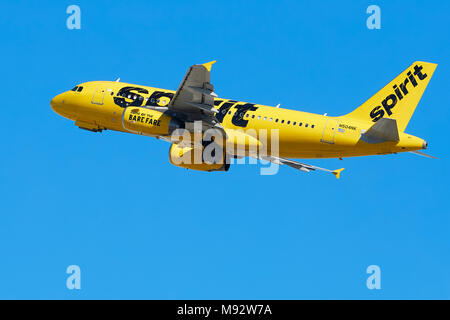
[423,154]
[383,130]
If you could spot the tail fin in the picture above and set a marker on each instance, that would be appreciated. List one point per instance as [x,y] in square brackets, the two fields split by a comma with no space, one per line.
[399,98]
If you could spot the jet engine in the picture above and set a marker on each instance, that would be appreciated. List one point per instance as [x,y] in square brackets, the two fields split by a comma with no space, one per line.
[209,157]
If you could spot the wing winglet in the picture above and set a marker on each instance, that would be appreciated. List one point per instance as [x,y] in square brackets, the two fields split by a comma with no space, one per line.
[337,173]
[208,65]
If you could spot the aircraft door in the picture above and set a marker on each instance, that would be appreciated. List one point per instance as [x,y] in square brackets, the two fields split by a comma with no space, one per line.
[330,131]
[98,96]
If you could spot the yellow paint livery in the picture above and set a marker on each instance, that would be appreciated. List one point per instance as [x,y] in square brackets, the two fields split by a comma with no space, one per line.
[376,127]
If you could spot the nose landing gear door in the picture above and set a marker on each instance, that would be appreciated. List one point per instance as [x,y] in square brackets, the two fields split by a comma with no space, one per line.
[98,96]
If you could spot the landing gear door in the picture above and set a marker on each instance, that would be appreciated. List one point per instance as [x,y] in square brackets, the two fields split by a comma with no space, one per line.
[98,96]
[329,131]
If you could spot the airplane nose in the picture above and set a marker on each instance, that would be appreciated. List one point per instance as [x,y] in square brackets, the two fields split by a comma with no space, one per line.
[53,103]
[56,101]
[62,105]
[424,145]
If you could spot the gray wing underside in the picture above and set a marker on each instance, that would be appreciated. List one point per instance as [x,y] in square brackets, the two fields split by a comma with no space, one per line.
[195,95]
[300,166]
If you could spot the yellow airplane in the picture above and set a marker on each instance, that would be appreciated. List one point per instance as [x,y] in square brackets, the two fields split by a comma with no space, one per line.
[247,129]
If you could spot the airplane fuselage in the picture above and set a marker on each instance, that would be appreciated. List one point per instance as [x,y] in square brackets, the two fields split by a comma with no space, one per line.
[100,105]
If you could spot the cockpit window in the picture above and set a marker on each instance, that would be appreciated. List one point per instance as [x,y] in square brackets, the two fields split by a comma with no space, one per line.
[75,89]
[79,89]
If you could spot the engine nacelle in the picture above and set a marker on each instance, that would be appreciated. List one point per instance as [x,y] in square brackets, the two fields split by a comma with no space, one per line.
[147,121]
[200,158]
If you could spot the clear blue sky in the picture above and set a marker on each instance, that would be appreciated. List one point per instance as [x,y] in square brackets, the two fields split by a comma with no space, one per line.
[141,228]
